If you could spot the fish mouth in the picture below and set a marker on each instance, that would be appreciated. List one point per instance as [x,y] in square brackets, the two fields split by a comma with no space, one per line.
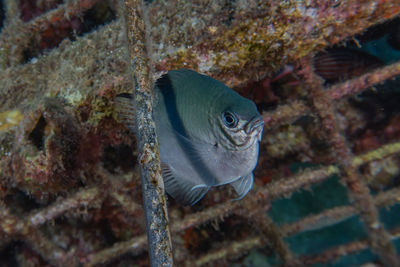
[255,127]
[246,136]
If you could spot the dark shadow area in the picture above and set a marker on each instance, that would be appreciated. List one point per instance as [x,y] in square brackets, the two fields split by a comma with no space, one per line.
[99,15]
[389,30]
[118,159]
[2,14]
[21,202]
[37,135]
[107,234]
[8,254]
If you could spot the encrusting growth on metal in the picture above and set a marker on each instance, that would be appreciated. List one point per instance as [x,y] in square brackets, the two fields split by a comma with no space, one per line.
[359,84]
[285,114]
[379,237]
[343,250]
[80,199]
[159,239]
[336,215]
[11,225]
[42,22]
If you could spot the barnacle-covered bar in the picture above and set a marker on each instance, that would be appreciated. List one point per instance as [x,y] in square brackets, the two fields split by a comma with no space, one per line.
[154,199]
[70,186]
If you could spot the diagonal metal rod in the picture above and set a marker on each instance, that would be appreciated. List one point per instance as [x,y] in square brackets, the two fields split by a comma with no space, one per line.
[335,253]
[158,235]
[359,84]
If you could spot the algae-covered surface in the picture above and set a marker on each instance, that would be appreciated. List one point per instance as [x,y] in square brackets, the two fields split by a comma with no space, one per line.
[70,191]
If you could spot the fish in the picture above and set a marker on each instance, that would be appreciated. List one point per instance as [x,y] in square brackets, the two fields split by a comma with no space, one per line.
[339,64]
[208,135]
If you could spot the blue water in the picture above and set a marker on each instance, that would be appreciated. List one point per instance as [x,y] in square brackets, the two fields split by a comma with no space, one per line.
[381,49]
[328,194]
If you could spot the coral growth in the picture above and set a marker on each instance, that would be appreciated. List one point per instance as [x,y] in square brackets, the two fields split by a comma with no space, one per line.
[10,119]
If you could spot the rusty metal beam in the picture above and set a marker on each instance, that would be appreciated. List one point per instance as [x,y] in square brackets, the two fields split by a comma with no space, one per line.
[155,206]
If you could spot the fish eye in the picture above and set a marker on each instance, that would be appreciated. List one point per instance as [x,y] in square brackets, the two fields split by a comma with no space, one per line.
[230,119]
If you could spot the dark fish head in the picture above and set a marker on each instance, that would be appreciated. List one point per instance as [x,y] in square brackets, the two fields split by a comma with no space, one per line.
[239,123]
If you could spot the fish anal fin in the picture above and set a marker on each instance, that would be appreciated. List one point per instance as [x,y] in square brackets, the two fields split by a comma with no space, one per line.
[124,110]
[183,191]
[243,185]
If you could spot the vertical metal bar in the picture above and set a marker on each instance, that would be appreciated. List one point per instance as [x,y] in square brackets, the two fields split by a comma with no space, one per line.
[158,235]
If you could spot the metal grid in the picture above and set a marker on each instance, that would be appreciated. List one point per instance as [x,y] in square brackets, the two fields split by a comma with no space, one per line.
[27,227]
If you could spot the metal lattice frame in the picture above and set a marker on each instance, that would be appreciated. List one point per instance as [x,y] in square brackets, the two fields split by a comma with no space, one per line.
[27,227]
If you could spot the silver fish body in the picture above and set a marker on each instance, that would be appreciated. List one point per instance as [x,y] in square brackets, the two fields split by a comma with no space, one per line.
[208,135]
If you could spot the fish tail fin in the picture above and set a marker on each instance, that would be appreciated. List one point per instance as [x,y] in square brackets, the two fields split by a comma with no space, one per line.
[124,110]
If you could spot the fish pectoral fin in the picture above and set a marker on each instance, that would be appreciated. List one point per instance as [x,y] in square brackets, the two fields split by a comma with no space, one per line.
[243,185]
[124,110]
[182,190]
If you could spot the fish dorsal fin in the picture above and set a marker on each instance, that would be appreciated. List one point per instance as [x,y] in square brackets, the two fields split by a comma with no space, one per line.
[125,111]
[243,185]
[183,191]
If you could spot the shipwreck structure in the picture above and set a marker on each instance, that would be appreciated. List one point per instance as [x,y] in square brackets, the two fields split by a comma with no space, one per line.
[70,186]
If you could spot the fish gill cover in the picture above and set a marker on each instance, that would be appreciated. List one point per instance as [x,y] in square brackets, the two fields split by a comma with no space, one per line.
[326,184]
